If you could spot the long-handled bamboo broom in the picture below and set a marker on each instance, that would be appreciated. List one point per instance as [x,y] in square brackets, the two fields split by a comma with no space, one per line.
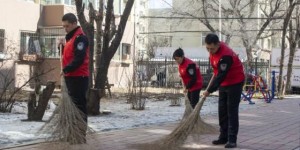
[66,123]
[186,127]
[200,127]
[178,136]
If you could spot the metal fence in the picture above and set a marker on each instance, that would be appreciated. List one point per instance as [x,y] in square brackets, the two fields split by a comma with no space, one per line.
[164,72]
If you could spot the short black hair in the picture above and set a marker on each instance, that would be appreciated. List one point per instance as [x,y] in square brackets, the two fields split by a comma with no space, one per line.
[212,38]
[70,17]
[178,53]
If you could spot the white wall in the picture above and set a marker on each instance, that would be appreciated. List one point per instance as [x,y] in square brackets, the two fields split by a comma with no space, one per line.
[17,15]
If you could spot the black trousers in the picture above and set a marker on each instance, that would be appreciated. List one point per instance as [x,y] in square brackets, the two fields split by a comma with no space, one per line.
[229,100]
[77,88]
[194,97]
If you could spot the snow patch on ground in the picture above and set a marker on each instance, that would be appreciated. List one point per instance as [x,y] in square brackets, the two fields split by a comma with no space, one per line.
[13,131]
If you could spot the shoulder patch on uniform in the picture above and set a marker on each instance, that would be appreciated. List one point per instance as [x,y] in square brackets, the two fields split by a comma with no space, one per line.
[223,67]
[191,71]
[80,46]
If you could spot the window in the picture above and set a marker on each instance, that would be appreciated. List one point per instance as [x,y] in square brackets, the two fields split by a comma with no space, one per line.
[49,39]
[50,49]
[125,51]
[29,43]
[2,40]
[51,2]
[275,42]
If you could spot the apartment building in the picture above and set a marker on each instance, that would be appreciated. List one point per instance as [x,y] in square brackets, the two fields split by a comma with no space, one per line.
[190,33]
[33,27]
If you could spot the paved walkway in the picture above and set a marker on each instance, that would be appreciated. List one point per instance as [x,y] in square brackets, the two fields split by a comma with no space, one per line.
[274,126]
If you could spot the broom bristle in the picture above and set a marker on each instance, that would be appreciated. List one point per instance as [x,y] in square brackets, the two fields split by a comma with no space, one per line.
[191,123]
[200,126]
[185,127]
[66,123]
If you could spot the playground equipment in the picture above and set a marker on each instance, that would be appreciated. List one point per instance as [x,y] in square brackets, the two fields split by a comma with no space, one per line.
[257,88]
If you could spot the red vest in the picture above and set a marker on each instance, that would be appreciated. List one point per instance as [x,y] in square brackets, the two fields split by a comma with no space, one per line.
[235,74]
[68,56]
[186,77]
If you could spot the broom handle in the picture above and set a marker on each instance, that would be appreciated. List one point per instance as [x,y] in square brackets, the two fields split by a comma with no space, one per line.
[199,105]
[185,94]
[61,74]
[211,79]
[60,56]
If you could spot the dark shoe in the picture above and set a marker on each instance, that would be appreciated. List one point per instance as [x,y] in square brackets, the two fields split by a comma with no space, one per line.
[230,145]
[219,141]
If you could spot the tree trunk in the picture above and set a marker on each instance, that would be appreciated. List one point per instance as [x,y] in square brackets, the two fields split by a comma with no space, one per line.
[36,110]
[93,103]
[249,57]
[294,39]
[280,87]
[285,25]
[106,48]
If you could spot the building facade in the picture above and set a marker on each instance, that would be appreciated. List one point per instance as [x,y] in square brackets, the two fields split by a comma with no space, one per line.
[182,25]
[33,28]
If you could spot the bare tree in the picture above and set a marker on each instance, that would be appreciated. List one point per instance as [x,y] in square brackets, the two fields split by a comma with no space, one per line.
[293,38]
[239,16]
[38,102]
[107,40]
[289,12]
[154,43]
[270,9]
[10,92]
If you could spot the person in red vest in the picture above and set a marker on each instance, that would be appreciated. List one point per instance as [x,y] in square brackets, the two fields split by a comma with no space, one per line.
[191,76]
[228,77]
[75,62]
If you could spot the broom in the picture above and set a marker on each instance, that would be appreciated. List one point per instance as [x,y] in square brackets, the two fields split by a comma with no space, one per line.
[177,137]
[66,123]
[191,123]
[200,126]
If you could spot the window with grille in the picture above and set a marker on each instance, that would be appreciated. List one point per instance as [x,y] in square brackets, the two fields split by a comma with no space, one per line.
[29,43]
[49,40]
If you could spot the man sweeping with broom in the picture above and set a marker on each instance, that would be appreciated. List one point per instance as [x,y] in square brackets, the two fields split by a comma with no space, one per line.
[190,75]
[192,122]
[75,66]
[229,78]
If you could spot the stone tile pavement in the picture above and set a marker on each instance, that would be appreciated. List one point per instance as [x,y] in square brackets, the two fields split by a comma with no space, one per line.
[274,126]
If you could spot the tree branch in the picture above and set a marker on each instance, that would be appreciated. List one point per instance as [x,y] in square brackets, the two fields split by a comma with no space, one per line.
[113,25]
[80,12]
[121,28]
[108,18]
